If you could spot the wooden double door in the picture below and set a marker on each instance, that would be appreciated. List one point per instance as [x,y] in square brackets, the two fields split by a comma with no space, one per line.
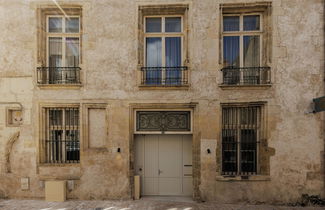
[164,163]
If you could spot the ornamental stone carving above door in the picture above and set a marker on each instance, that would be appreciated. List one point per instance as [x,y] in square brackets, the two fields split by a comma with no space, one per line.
[163,121]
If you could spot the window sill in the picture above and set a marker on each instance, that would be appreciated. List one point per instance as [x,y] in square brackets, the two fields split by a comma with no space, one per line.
[245,87]
[248,178]
[59,86]
[59,171]
[148,87]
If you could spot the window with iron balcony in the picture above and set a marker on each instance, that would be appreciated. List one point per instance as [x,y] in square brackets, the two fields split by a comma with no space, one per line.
[163,43]
[61,50]
[244,43]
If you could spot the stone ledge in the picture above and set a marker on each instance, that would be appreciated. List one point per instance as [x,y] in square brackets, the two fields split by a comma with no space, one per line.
[59,86]
[145,87]
[246,87]
[243,178]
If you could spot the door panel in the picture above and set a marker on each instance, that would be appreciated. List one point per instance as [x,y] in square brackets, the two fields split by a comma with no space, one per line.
[187,165]
[170,161]
[164,163]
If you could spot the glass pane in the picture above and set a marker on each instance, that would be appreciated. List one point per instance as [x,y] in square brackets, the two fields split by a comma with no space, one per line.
[251,51]
[153,24]
[72,25]
[72,52]
[173,59]
[231,23]
[153,60]
[55,117]
[251,23]
[231,51]
[55,24]
[229,151]
[55,52]
[173,24]
[248,150]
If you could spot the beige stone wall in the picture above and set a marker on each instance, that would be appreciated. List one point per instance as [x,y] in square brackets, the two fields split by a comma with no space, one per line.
[109,67]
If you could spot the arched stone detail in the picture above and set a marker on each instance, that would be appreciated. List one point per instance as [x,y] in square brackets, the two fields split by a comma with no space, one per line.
[8,149]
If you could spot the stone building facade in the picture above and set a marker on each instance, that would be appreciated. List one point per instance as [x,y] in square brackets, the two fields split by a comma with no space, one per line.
[95,92]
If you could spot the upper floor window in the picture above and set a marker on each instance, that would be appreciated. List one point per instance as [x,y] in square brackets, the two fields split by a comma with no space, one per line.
[244,43]
[163,51]
[59,46]
[63,37]
[163,42]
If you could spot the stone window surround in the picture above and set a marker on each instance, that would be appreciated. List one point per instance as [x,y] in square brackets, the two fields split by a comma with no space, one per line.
[265,10]
[162,10]
[264,152]
[43,11]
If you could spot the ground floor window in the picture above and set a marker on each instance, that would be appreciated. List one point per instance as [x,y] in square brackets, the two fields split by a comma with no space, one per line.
[241,128]
[61,136]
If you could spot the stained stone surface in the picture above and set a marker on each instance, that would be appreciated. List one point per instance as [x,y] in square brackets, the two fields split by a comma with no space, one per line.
[295,138]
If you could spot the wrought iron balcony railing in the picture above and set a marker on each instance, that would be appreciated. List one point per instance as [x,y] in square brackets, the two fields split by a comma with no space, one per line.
[58,75]
[246,75]
[164,76]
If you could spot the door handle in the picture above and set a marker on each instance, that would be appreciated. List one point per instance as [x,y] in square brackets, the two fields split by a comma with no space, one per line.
[159,171]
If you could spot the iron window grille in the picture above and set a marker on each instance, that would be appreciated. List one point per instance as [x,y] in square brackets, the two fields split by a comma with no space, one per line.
[241,131]
[246,75]
[61,137]
[164,76]
[58,75]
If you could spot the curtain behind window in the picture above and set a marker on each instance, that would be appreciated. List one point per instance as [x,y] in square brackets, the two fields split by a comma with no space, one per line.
[173,59]
[153,59]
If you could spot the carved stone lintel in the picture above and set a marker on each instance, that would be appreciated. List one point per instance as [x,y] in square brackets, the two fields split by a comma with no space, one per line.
[163,121]
[8,149]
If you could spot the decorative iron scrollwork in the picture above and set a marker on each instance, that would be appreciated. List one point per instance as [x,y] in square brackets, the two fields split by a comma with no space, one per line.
[163,121]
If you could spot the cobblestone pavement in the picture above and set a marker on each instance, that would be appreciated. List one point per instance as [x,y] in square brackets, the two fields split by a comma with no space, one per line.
[143,204]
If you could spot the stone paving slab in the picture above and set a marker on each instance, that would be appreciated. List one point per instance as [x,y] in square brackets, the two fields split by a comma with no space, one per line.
[143,204]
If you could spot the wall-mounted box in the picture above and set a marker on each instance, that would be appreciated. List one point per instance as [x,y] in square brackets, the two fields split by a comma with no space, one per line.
[55,191]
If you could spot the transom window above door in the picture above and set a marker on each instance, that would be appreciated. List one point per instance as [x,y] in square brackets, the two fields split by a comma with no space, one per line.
[242,39]
[163,51]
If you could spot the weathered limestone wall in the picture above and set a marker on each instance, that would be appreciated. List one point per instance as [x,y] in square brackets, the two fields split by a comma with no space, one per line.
[109,66]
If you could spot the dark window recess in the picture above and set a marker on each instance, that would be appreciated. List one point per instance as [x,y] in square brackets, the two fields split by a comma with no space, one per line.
[58,75]
[163,121]
[240,128]
[61,135]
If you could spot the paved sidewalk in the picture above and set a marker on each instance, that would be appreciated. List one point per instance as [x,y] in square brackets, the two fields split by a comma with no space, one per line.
[143,204]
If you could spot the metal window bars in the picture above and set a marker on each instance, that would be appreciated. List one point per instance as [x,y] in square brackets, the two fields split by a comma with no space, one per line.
[61,135]
[240,134]
[246,75]
[164,76]
[58,75]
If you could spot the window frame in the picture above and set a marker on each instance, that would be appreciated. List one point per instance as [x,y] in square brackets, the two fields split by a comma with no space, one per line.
[64,35]
[241,33]
[163,35]
[260,136]
[44,127]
